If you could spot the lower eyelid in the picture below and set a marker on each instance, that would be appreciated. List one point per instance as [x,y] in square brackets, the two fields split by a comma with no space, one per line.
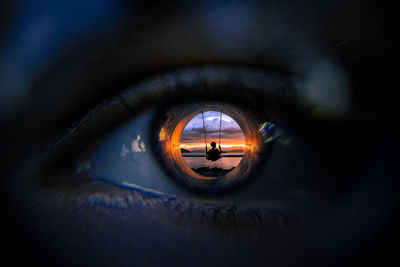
[100,216]
[276,220]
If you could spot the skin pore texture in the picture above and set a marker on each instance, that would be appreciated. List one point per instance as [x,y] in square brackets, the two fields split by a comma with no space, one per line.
[324,71]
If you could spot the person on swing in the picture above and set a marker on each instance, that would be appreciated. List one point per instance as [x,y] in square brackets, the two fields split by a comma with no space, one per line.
[214,154]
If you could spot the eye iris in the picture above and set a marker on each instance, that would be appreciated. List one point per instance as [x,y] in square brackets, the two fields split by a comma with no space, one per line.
[172,135]
[212,144]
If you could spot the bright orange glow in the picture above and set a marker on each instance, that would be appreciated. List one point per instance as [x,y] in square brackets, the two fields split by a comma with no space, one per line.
[202,145]
[226,144]
[162,134]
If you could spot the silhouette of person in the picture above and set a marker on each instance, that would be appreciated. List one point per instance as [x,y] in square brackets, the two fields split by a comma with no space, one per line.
[214,154]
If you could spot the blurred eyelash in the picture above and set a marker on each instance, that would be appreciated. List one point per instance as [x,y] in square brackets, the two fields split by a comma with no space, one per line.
[275,219]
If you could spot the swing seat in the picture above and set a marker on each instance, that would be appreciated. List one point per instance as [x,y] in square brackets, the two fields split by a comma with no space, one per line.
[213,155]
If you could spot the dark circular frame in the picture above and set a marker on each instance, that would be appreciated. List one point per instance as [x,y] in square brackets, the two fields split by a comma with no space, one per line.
[169,147]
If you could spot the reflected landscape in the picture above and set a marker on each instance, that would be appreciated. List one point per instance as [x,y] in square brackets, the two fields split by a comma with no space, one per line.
[200,138]
[224,162]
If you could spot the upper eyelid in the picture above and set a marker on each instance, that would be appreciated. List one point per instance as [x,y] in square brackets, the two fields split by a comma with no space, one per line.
[248,83]
[322,92]
[79,96]
[206,80]
[211,80]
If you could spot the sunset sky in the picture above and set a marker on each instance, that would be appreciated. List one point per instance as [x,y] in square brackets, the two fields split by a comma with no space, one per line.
[232,137]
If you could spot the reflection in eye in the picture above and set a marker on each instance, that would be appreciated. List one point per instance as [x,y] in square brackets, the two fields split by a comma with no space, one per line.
[208,159]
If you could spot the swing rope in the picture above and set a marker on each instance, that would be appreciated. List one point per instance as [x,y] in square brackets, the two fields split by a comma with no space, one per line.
[204,129]
[220,122]
[220,129]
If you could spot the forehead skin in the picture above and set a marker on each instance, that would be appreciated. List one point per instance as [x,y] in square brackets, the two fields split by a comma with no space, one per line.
[58,60]
[132,39]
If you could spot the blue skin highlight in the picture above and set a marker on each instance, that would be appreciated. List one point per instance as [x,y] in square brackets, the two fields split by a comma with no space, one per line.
[124,157]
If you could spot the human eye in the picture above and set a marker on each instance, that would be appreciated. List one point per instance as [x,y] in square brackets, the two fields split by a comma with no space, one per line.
[132,155]
[89,182]
[108,165]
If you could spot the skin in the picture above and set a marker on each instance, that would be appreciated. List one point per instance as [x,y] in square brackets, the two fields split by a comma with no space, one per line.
[51,78]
